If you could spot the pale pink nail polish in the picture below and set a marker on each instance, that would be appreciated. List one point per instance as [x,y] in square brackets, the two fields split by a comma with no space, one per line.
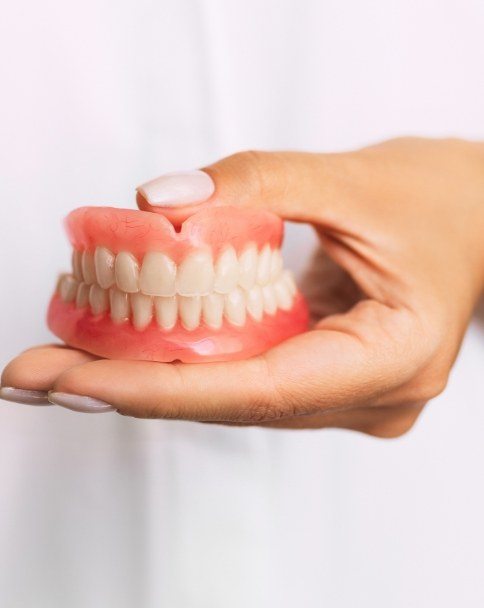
[21,395]
[178,188]
[79,403]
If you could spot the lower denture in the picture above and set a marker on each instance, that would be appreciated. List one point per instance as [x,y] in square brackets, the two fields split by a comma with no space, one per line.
[216,290]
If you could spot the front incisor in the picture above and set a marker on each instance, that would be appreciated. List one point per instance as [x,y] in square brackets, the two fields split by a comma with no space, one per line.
[190,309]
[195,274]
[158,274]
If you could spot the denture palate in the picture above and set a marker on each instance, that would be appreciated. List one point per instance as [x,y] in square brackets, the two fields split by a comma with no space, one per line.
[197,290]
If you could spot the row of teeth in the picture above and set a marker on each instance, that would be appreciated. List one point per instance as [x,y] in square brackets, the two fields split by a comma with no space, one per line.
[191,311]
[196,275]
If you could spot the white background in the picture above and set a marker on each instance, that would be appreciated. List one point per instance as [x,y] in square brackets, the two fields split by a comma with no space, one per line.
[102,511]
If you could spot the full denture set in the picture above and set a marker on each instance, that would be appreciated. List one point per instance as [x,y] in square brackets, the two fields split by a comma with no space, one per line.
[139,289]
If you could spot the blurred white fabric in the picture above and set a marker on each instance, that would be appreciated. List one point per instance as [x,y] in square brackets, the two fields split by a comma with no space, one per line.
[103,511]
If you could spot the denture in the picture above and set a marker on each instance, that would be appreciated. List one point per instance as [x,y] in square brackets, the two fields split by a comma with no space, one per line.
[212,289]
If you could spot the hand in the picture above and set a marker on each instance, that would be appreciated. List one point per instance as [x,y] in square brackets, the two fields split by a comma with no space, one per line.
[401,226]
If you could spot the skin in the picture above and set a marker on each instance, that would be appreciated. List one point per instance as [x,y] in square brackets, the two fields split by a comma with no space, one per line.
[392,294]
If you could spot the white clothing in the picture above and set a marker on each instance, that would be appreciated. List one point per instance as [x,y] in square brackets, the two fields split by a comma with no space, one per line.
[102,511]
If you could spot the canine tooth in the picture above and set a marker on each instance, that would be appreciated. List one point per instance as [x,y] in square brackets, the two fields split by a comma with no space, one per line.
[68,288]
[166,310]
[98,299]
[88,269]
[288,278]
[235,307]
[142,307]
[283,295]
[276,264]
[226,271]
[264,265]
[127,272]
[77,264]
[270,302]
[213,310]
[190,309]
[248,266]
[255,303]
[82,297]
[119,301]
[104,264]
[195,274]
[158,274]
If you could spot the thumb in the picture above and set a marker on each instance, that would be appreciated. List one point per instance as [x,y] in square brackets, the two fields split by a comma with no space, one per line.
[297,186]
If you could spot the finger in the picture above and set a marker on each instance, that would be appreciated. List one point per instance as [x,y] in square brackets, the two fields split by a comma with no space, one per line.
[344,364]
[294,185]
[28,377]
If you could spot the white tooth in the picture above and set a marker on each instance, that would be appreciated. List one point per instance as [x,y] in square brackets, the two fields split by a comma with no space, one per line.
[120,309]
[288,278]
[264,265]
[166,310]
[270,302]
[104,264]
[213,310]
[142,307]
[77,264]
[82,297]
[283,295]
[98,299]
[68,288]
[190,309]
[158,274]
[235,307]
[195,274]
[276,264]
[88,269]
[127,272]
[255,303]
[226,271]
[248,266]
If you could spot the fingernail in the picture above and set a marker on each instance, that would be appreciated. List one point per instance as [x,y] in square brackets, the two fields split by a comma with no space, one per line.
[21,395]
[178,189]
[78,403]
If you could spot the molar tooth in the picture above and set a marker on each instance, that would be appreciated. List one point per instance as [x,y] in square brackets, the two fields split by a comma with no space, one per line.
[166,310]
[104,264]
[88,269]
[142,307]
[68,288]
[276,264]
[190,308]
[288,278]
[255,303]
[226,271]
[158,274]
[120,309]
[98,299]
[235,307]
[127,272]
[283,295]
[77,264]
[270,302]
[82,297]
[195,274]
[248,266]
[213,310]
[264,265]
